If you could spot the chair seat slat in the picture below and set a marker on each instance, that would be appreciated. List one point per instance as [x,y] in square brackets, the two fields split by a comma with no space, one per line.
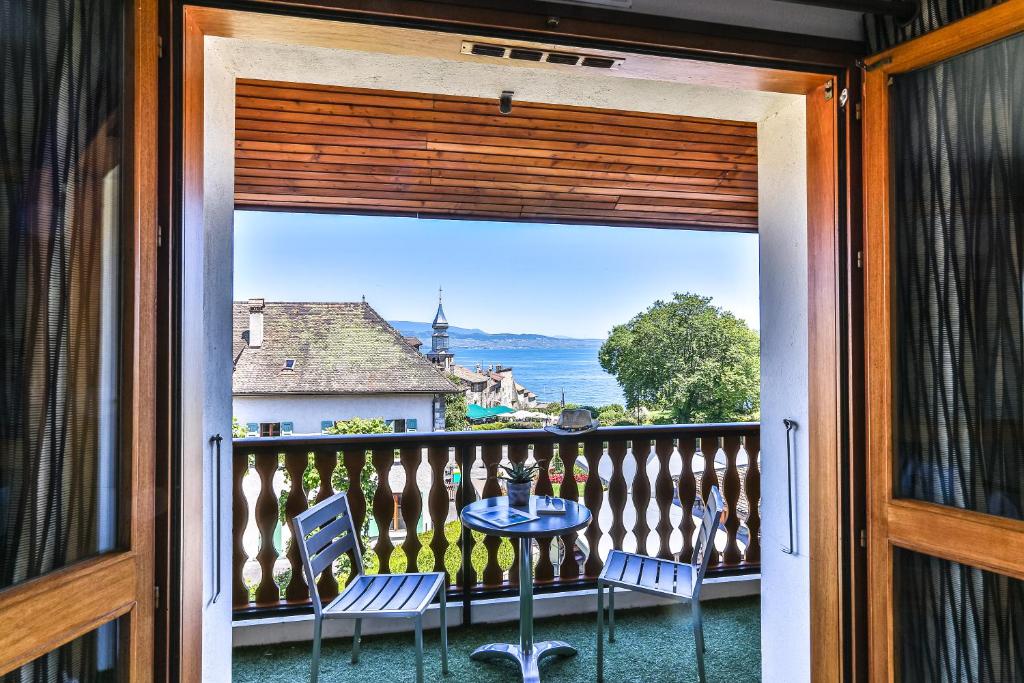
[634,563]
[377,584]
[615,565]
[649,572]
[355,591]
[426,587]
[666,577]
[393,586]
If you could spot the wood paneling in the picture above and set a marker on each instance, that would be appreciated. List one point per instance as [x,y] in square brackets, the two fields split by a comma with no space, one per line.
[56,608]
[358,150]
[824,389]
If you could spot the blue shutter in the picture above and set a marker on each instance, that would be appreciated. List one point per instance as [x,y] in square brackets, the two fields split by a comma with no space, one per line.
[410,425]
[325,425]
[252,428]
[287,428]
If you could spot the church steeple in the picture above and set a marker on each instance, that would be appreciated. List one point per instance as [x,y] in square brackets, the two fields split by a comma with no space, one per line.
[439,353]
[440,322]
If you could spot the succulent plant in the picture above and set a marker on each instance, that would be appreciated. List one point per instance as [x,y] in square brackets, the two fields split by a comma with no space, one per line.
[520,472]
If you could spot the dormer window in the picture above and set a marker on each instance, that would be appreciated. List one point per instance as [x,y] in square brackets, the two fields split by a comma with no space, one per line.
[289,364]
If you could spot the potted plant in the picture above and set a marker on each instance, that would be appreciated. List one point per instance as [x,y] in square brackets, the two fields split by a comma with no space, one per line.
[518,479]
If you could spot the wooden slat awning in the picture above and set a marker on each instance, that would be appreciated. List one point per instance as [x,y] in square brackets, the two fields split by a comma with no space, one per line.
[347,150]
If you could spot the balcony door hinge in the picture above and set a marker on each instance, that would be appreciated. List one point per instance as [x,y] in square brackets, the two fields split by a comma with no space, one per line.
[856,111]
[829,89]
[863,538]
[156,597]
[160,47]
[860,259]
[159,236]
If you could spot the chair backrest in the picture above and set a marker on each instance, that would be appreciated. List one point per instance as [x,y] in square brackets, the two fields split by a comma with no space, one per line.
[324,533]
[705,545]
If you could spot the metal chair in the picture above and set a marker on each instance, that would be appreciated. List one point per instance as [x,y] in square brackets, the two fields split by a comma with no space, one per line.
[326,531]
[661,577]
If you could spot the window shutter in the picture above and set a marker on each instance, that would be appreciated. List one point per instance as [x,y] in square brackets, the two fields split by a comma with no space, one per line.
[410,425]
[287,428]
[325,425]
[252,428]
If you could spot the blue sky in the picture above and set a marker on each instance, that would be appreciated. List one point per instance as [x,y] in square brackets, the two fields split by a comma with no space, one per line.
[576,281]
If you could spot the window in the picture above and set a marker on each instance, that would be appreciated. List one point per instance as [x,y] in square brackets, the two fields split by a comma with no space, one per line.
[325,425]
[397,426]
[270,429]
[289,364]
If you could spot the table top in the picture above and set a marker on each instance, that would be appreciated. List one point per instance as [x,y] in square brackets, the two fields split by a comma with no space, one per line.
[574,518]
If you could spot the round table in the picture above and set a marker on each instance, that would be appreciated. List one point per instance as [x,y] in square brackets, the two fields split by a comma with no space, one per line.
[527,653]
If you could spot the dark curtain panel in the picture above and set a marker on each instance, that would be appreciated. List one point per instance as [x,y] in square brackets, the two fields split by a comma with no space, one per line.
[958,218]
[957,624]
[885,32]
[60,154]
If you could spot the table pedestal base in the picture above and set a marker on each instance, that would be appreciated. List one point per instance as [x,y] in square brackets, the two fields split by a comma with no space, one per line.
[528,661]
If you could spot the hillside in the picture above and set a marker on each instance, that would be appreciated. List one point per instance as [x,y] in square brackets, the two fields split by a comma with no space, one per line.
[474,338]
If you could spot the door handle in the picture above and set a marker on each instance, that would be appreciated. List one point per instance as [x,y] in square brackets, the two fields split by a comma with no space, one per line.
[791,426]
[215,442]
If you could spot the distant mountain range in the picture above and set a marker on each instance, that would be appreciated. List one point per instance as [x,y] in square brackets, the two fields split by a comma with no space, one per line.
[474,338]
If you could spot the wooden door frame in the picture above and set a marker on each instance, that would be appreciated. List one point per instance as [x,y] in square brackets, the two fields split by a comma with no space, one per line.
[981,540]
[833,239]
[47,612]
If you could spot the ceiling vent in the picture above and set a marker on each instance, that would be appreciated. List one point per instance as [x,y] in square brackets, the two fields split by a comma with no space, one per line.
[527,54]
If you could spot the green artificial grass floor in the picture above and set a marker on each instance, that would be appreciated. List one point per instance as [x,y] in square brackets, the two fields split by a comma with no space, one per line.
[651,644]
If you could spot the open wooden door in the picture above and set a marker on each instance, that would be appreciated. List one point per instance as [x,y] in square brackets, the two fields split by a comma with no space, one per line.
[944,198]
[77,255]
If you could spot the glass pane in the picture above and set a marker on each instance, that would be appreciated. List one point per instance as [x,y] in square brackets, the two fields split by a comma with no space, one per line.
[958,265]
[956,623]
[60,219]
[89,659]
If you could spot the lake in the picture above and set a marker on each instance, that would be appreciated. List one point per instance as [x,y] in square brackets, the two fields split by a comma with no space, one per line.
[547,371]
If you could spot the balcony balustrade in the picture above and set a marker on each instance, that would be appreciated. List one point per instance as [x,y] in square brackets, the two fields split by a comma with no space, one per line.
[643,484]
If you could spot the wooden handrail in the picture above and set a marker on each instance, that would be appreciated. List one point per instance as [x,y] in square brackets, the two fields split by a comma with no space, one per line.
[630,471]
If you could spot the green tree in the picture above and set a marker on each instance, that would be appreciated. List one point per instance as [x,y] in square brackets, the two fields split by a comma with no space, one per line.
[689,358]
[455,406]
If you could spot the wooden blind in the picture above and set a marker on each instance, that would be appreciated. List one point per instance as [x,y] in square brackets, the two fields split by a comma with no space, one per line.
[347,150]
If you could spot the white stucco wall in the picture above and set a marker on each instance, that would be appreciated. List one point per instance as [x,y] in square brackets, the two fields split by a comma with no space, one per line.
[785,579]
[306,412]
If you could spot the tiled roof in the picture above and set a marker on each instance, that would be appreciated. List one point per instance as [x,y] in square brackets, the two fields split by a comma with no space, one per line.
[467,375]
[338,348]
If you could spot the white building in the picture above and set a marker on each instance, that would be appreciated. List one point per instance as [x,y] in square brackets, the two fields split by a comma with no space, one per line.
[300,367]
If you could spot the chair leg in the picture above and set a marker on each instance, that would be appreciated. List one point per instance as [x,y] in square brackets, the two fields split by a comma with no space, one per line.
[355,641]
[419,649]
[698,638]
[314,670]
[444,632]
[600,632]
[611,614]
